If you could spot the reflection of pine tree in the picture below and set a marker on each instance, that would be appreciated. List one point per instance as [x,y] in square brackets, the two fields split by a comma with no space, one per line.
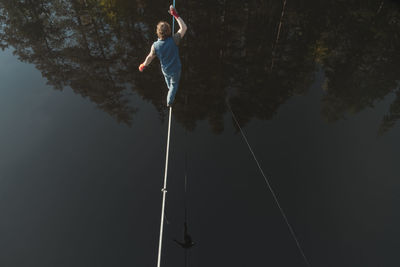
[95,46]
[360,62]
[50,35]
[260,90]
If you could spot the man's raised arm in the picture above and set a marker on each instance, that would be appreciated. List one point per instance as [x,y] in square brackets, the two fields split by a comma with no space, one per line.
[182,24]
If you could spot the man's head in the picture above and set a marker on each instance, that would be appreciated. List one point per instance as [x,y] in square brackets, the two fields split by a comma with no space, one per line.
[163,30]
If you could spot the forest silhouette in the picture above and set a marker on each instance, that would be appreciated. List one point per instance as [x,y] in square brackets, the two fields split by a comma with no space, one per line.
[230,53]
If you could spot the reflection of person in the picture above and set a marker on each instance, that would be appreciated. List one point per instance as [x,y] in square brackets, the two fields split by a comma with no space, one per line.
[166,49]
[187,239]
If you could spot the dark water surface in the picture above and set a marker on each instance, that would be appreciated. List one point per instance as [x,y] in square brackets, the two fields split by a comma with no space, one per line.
[83,133]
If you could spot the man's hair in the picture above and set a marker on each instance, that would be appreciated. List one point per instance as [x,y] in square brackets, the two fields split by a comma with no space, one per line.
[163,30]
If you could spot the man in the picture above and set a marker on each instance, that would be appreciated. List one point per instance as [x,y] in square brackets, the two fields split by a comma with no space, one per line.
[166,49]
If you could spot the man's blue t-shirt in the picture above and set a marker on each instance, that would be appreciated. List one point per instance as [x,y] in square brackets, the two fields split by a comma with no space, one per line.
[168,54]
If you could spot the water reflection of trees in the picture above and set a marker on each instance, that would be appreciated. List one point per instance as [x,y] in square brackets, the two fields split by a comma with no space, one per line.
[360,58]
[94,47]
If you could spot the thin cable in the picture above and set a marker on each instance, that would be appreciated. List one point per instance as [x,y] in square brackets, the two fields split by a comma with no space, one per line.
[270,188]
[280,24]
[173,21]
[278,34]
[164,190]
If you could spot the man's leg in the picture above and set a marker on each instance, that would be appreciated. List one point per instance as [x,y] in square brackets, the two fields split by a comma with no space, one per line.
[167,80]
[173,87]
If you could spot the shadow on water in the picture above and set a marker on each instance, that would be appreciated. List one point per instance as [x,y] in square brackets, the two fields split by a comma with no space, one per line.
[94,47]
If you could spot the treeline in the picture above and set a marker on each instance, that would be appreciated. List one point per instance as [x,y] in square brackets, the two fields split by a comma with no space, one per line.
[231,53]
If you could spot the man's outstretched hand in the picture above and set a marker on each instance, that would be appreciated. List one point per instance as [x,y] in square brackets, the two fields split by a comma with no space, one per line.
[173,12]
[142,67]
